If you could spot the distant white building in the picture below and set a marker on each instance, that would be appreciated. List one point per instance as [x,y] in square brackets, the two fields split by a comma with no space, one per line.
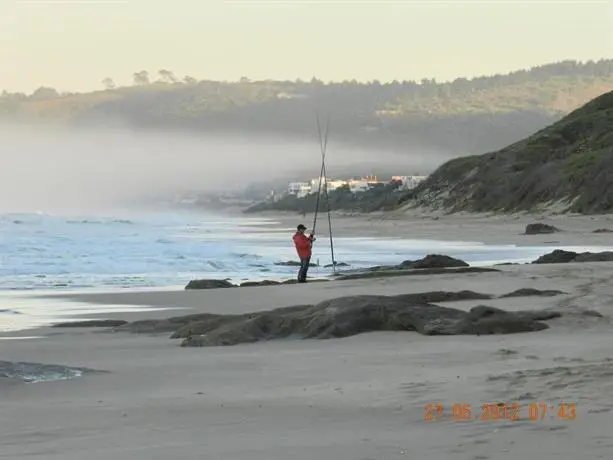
[299,189]
[358,185]
[332,184]
[355,185]
[409,182]
[315,183]
[291,96]
[335,184]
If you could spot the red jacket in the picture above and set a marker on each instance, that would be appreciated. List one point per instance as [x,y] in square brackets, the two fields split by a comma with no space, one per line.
[303,245]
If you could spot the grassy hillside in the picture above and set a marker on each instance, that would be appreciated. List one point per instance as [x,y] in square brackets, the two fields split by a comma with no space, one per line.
[570,161]
[463,116]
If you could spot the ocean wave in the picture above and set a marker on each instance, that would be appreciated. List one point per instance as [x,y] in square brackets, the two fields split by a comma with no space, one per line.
[245,255]
[171,249]
[99,222]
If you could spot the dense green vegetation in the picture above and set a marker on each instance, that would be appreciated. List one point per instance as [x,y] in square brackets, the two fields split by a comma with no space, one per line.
[458,117]
[569,162]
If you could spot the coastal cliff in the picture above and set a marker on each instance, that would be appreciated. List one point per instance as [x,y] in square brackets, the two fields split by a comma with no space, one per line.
[569,163]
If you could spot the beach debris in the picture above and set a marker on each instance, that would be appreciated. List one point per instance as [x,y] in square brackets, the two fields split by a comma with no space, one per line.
[539,229]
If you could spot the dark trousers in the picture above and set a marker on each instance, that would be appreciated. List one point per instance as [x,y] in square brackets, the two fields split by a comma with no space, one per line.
[304,267]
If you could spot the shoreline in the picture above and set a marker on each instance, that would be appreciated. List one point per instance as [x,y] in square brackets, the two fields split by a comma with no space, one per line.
[480,230]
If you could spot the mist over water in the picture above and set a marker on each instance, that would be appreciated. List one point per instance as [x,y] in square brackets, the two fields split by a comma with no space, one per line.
[78,206]
[87,170]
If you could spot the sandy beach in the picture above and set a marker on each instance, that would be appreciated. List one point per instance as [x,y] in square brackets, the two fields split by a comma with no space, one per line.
[358,398]
[576,230]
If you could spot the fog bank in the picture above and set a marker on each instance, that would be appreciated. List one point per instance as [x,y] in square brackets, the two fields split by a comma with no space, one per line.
[52,169]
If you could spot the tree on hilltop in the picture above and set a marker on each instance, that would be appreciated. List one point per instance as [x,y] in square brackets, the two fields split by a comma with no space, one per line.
[108,83]
[141,78]
[167,76]
[44,93]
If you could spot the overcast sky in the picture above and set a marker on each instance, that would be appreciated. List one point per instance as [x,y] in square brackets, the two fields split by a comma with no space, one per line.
[73,44]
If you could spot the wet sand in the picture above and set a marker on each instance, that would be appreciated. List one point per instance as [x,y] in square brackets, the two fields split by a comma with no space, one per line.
[576,230]
[358,398]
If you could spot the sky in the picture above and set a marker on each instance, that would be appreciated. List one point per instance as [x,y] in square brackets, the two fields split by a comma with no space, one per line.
[72,45]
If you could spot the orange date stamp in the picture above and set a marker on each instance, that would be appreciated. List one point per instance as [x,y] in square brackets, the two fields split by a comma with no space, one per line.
[497,411]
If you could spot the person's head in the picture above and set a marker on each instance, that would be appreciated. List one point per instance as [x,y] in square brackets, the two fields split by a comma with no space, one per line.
[301,228]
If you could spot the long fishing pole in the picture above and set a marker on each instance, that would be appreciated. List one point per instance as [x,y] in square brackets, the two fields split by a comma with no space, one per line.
[329,220]
[323,144]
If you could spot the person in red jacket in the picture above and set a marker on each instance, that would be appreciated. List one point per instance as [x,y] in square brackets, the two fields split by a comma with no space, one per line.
[303,245]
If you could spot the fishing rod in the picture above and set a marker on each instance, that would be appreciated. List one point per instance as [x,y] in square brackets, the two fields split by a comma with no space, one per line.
[329,222]
[323,144]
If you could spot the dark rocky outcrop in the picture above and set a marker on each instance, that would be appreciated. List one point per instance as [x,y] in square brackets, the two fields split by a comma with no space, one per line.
[538,229]
[429,261]
[560,256]
[603,230]
[204,323]
[209,284]
[433,261]
[93,323]
[605,256]
[347,316]
[530,292]
[208,322]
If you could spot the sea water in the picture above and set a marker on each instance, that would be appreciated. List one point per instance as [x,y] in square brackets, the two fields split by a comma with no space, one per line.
[42,253]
